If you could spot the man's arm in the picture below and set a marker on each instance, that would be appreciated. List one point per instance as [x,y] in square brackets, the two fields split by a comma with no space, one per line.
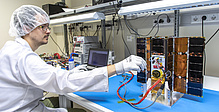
[111,70]
[131,63]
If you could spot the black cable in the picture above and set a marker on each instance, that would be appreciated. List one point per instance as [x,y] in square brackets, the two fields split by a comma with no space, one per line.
[212,36]
[157,23]
[108,37]
[204,61]
[88,32]
[124,39]
[202,28]
[96,31]
[129,26]
[150,30]
[203,19]
[116,11]
[144,107]
[119,21]
[73,31]
[158,27]
[57,45]
[129,29]
[159,92]
[204,54]
[147,16]
[85,34]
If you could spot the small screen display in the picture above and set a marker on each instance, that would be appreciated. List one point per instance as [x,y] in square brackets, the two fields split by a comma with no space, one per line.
[98,57]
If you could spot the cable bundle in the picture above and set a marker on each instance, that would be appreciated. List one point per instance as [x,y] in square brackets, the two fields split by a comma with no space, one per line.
[151,88]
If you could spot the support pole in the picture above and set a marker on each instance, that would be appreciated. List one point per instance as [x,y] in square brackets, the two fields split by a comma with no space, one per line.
[103,30]
[66,39]
[176,23]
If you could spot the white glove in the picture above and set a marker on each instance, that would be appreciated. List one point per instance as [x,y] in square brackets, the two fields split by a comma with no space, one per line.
[78,69]
[131,63]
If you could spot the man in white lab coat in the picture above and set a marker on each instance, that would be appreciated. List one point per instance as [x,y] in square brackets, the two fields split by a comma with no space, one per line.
[24,76]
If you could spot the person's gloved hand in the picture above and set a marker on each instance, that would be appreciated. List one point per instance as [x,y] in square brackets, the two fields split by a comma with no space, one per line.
[130,63]
[78,69]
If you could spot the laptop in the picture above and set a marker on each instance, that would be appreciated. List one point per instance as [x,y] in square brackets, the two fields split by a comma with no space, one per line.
[97,57]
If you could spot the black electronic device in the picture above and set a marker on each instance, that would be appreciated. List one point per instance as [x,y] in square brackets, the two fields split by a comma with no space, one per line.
[95,2]
[51,9]
[98,57]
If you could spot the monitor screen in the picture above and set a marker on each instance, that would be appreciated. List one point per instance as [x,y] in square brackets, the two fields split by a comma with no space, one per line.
[98,57]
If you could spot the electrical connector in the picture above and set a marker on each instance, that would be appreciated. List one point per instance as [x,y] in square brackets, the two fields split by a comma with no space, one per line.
[159,92]
[168,19]
[81,28]
[106,25]
[204,17]
[161,21]
[87,27]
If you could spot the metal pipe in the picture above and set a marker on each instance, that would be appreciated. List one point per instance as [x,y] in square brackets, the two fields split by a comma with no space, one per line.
[103,29]
[176,26]
[66,39]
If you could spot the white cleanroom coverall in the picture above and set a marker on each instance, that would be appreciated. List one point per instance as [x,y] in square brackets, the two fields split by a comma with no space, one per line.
[24,76]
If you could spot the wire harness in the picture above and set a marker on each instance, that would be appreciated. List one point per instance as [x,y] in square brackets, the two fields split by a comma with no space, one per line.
[151,88]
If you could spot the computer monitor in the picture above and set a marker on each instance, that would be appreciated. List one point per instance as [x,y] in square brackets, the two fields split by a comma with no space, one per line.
[98,57]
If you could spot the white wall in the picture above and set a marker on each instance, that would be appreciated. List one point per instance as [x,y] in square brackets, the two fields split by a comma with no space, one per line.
[143,25]
[6,12]
[187,29]
[211,83]
[80,3]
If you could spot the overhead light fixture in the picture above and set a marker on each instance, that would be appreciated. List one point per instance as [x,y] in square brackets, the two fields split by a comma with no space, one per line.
[78,18]
[165,5]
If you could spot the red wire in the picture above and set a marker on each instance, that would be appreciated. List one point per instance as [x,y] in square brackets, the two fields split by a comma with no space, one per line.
[152,87]
[123,99]
[122,86]
[59,57]
[73,50]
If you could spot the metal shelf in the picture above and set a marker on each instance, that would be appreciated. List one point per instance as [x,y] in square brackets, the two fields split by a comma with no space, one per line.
[165,5]
[106,8]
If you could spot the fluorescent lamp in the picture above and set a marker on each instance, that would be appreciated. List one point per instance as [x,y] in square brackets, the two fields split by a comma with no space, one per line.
[165,5]
[78,18]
